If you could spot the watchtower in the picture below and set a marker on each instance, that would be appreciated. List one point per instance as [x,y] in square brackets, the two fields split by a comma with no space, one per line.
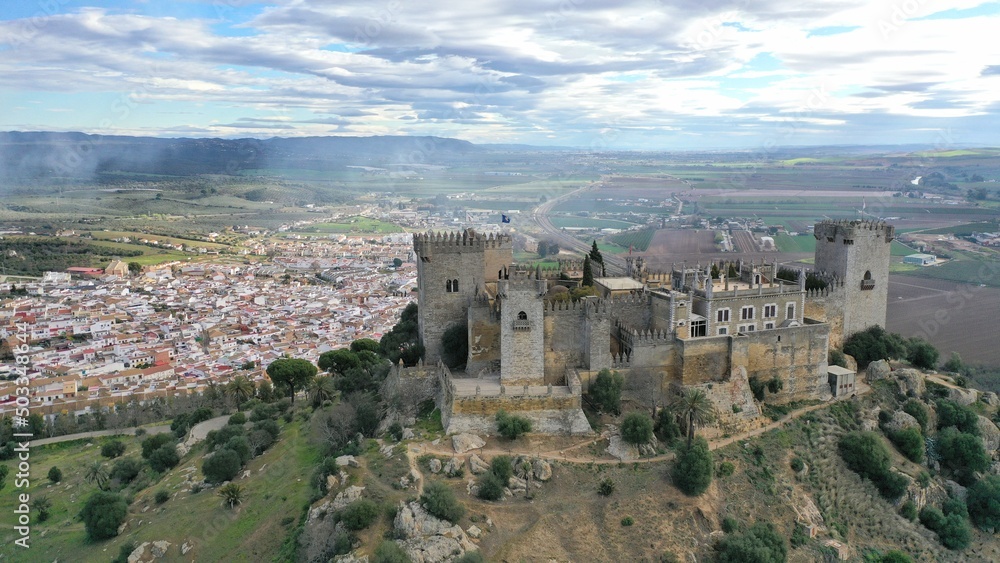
[522,329]
[451,269]
[856,253]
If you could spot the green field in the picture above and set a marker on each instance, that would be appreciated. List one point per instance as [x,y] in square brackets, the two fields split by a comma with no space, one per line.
[589,222]
[637,240]
[278,488]
[353,225]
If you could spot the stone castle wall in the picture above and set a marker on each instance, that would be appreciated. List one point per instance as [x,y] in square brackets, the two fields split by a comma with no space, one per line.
[565,340]
[484,338]
[797,356]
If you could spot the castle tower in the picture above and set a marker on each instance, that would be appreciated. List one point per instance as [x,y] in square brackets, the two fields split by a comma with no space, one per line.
[451,268]
[857,254]
[522,330]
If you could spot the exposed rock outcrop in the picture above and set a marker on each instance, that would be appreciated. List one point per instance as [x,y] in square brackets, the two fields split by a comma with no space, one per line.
[427,539]
[879,369]
[465,442]
[149,551]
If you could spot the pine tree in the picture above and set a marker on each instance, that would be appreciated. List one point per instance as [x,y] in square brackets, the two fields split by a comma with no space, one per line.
[588,273]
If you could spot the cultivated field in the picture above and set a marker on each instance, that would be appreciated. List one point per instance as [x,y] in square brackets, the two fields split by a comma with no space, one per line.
[955,317]
[678,245]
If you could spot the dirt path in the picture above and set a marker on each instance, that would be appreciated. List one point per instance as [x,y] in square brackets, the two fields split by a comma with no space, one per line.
[99,433]
[415,467]
[566,454]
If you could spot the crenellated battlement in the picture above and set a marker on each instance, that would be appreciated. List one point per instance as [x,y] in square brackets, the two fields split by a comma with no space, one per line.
[632,337]
[850,229]
[431,242]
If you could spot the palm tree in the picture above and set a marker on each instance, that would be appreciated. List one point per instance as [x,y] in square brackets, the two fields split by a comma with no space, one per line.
[240,389]
[97,474]
[323,389]
[42,505]
[232,494]
[694,406]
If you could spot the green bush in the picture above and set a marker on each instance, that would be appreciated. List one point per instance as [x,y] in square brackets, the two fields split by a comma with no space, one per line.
[983,502]
[161,496]
[837,358]
[666,428]
[389,552]
[396,431]
[917,410]
[241,446]
[359,514]
[455,345]
[102,514]
[797,464]
[637,428]
[726,468]
[55,474]
[895,557]
[113,449]
[164,458]
[963,453]
[237,419]
[502,467]
[692,472]
[221,466]
[956,533]
[155,442]
[873,344]
[908,510]
[730,524]
[606,391]
[760,544]
[510,426]
[606,487]
[799,536]
[628,521]
[910,443]
[865,454]
[490,487]
[932,518]
[125,470]
[963,418]
[440,501]
[921,353]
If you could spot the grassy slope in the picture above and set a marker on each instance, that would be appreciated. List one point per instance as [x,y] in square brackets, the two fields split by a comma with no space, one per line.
[253,533]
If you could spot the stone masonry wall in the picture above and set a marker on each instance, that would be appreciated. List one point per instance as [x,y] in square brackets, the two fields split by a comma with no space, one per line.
[797,356]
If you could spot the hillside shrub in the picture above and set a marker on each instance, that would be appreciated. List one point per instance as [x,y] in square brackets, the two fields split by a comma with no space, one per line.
[759,544]
[797,464]
[511,426]
[692,472]
[221,466]
[865,454]
[125,470]
[917,410]
[637,428]
[55,474]
[241,446]
[874,343]
[730,524]
[113,449]
[606,487]
[921,353]
[983,502]
[910,443]
[490,487]
[953,529]
[950,413]
[605,391]
[962,453]
[164,458]
[666,427]
[502,467]
[389,552]
[359,514]
[726,468]
[102,514]
[161,496]
[455,345]
[155,442]
[895,557]
[440,501]
[237,419]
[908,510]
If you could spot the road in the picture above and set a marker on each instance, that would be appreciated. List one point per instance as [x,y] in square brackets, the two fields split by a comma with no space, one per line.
[196,435]
[540,215]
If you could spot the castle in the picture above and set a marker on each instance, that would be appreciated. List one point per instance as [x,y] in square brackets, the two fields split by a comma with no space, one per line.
[533,351]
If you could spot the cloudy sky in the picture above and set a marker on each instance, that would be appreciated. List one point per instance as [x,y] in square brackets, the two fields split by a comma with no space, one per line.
[643,74]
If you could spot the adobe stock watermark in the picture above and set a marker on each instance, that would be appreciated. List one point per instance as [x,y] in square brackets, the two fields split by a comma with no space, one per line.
[22,391]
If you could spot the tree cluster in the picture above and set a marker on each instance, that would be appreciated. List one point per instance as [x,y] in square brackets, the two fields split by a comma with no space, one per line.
[865,454]
[235,444]
[875,343]
[403,341]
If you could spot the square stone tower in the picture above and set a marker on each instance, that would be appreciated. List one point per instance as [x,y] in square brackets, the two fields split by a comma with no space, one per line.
[857,254]
[451,268]
[522,329]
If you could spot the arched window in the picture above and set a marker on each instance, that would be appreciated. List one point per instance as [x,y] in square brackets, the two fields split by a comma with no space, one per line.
[447,286]
[522,316]
[868,274]
[867,282]
[454,285]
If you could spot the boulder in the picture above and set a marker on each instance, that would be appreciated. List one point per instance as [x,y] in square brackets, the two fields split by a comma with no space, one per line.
[347,461]
[621,449]
[852,364]
[149,551]
[186,548]
[901,421]
[542,470]
[435,465]
[474,531]
[989,434]
[910,382]
[963,396]
[465,442]
[427,539]
[990,398]
[350,558]
[347,496]
[956,490]
[477,465]
[182,450]
[408,434]
[332,482]
[517,484]
[453,466]
[879,369]
[386,450]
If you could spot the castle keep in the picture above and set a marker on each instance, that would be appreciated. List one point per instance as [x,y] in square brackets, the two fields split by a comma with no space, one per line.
[533,351]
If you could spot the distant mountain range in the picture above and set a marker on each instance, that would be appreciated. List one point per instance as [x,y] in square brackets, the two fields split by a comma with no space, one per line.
[27,155]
